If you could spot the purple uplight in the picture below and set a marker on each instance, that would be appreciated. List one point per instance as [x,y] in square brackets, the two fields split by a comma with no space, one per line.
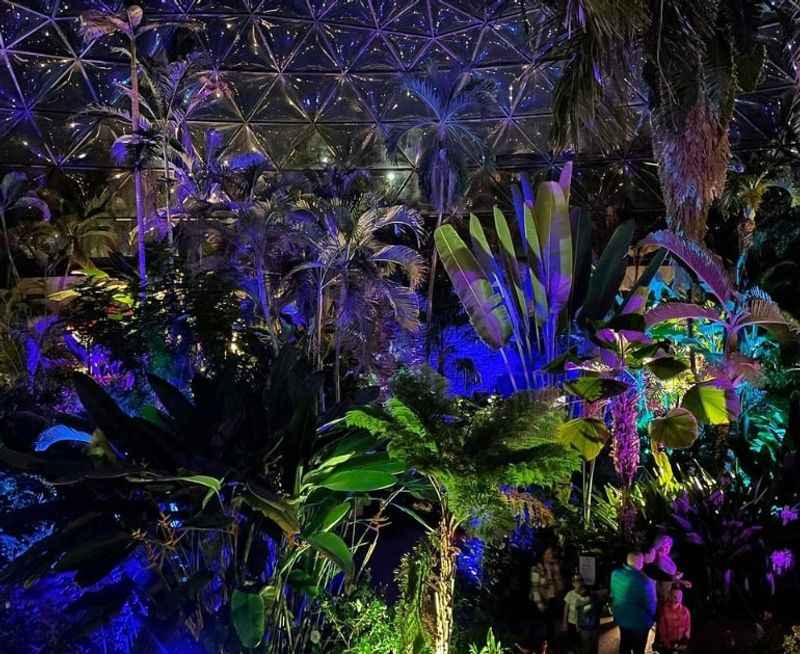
[782,561]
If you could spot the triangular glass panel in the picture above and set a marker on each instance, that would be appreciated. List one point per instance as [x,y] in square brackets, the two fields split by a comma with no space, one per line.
[278,140]
[375,90]
[493,49]
[69,30]
[312,54]
[158,6]
[245,140]
[356,146]
[91,142]
[537,131]
[219,36]
[448,19]
[311,152]
[7,121]
[346,42]
[45,40]
[514,33]
[9,96]
[106,80]
[320,8]
[507,87]
[283,38]
[35,75]
[436,55]
[70,93]
[508,140]
[23,145]
[351,11]
[345,105]
[225,6]
[279,104]
[413,19]
[248,90]
[408,48]
[224,107]
[250,50]
[377,55]
[536,93]
[461,45]
[285,9]
[16,22]
[310,92]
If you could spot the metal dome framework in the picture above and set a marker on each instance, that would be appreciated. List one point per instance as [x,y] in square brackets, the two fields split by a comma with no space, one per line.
[312,79]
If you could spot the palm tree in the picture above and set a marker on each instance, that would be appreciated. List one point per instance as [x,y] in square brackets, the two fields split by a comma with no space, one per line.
[96,24]
[15,196]
[78,232]
[349,269]
[696,58]
[466,452]
[742,198]
[448,145]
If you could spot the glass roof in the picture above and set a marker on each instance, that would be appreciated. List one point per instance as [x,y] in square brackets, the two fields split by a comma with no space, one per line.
[316,81]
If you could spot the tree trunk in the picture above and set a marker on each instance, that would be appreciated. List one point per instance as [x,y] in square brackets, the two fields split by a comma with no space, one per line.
[444,586]
[318,339]
[745,230]
[692,166]
[167,191]
[137,173]
[432,277]
[337,362]
[13,273]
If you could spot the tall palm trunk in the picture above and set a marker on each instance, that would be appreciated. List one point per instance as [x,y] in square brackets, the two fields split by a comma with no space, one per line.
[318,336]
[138,180]
[265,301]
[692,166]
[13,273]
[337,364]
[167,190]
[745,230]
[432,276]
[444,586]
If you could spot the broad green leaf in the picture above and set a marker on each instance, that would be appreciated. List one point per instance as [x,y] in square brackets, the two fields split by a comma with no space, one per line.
[608,274]
[334,548]
[357,480]
[483,306]
[663,467]
[277,510]
[334,516]
[592,389]
[553,228]
[247,615]
[708,404]
[203,480]
[587,435]
[677,430]
[511,267]
[667,367]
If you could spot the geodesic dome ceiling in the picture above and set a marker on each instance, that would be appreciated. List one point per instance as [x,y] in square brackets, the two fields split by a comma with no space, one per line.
[316,81]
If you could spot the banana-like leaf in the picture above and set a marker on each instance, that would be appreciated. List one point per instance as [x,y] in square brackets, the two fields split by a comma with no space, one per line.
[334,548]
[512,268]
[484,307]
[554,232]
[699,260]
[680,311]
[608,275]
[582,259]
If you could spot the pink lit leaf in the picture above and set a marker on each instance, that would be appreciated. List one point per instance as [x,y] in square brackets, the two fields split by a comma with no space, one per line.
[698,259]
[680,311]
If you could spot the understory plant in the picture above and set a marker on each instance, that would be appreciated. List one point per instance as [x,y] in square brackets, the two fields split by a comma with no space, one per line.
[466,451]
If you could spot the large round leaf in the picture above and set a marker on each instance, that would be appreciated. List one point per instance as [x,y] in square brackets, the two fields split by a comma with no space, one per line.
[667,367]
[587,435]
[592,389]
[334,548]
[677,430]
[247,615]
[357,481]
[708,403]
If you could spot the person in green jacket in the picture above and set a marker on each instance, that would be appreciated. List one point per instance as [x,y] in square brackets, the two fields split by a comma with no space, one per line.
[633,599]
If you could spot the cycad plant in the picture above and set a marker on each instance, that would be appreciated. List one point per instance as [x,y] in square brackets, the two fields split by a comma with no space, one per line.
[695,57]
[466,451]
[448,145]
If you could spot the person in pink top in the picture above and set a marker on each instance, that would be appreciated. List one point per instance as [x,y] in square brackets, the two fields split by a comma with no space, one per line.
[674,623]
